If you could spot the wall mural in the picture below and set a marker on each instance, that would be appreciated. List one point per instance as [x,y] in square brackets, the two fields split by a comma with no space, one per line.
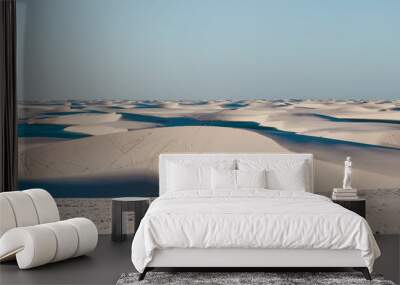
[100,100]
[110,148]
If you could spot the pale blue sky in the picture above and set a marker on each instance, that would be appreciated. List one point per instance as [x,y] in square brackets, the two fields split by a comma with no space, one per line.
[209,49]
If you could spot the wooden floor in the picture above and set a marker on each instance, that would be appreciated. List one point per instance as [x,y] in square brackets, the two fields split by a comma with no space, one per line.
[110,260]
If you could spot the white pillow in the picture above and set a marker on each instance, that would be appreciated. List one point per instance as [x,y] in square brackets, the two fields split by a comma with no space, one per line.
[251,178]
[285,174]
[292,180]
[227,179]
[223,179]
[186,177]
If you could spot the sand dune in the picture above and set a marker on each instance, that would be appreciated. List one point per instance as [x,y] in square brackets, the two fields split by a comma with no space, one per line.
[289,115]
[368,135]
[78,119]
[136,150]
[369,110]
[94,130]
[110,128]
[383,134]
[130,125]
[244,115]
[121,145]
[27,143]
[26,111]
[168,113]
[376,115]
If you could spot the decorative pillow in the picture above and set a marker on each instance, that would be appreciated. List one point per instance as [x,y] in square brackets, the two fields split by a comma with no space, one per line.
[230,180]
[251,178]
[185,177]
[223,179]
[281,174]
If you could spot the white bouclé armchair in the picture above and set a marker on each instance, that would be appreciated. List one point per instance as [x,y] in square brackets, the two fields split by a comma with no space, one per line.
[31,231]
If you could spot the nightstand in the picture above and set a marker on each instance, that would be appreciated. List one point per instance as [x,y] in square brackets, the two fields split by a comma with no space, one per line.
[356,205]
[121,206]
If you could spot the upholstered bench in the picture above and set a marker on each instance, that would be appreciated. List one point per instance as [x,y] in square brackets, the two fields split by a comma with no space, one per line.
[31,230]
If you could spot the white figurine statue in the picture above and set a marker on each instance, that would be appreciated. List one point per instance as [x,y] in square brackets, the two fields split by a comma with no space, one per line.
[347,174]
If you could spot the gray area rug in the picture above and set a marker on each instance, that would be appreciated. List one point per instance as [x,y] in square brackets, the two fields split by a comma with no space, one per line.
[269,278]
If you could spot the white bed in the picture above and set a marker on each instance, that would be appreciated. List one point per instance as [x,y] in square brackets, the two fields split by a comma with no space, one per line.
[248,227]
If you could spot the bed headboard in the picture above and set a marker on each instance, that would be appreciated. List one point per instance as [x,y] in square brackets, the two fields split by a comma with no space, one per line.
[193,157]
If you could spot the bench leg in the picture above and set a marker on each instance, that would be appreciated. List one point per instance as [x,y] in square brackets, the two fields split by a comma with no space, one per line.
[364,271]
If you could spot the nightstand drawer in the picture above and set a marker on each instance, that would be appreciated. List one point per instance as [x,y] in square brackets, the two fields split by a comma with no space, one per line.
[357,206]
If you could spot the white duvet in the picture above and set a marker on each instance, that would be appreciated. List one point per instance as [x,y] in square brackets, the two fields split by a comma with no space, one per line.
[251,219]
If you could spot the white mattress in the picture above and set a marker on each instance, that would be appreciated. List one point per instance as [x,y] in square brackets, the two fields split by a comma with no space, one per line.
[253,219]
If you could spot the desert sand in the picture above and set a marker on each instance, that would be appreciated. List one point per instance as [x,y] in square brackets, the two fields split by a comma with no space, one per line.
[120,145]
[136,150]
[29,110]
[95,130]
[78,119]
